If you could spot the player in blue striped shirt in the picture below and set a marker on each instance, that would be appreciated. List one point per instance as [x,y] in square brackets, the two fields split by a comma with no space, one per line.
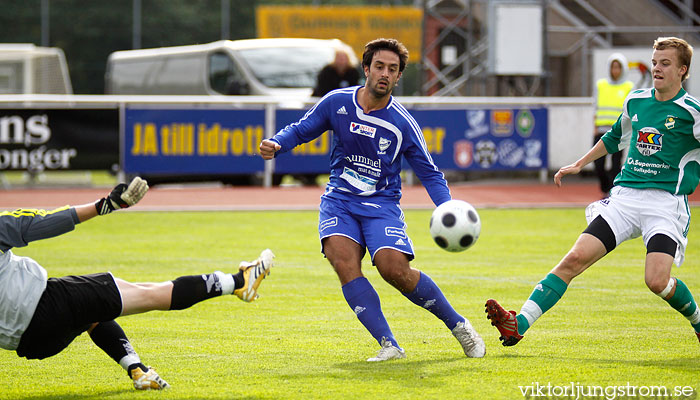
[360,208]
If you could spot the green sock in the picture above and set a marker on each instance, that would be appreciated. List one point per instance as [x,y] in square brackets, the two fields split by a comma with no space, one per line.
[683,302]
[545,296]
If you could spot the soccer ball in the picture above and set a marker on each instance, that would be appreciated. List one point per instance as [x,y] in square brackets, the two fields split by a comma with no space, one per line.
[455,225]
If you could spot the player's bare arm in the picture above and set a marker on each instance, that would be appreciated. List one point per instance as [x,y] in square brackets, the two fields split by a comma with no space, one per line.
[593,154]
[268,149]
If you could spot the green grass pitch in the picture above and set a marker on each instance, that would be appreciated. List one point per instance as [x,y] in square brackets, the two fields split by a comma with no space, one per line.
[300,340]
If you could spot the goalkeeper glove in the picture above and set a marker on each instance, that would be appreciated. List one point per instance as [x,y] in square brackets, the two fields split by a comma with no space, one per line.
[122,196]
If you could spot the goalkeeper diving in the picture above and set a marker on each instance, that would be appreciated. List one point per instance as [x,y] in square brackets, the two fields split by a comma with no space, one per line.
[40,316]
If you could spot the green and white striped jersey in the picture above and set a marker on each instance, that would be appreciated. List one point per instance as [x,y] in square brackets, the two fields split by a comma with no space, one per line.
[663,139]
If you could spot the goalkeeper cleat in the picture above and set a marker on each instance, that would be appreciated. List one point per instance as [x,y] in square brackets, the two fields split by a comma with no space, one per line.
[253,273]
[504,321]
[147,380]
[472,344]
[388,352]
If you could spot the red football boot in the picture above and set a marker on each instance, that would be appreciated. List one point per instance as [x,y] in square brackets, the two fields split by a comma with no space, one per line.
[504,321]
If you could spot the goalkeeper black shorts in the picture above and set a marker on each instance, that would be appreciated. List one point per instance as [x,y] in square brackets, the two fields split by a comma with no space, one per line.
[67,308]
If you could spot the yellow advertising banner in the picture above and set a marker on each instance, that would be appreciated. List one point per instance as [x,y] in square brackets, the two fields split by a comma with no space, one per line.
[353,25]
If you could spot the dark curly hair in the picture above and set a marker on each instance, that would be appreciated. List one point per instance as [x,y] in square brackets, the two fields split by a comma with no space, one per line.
[376,45]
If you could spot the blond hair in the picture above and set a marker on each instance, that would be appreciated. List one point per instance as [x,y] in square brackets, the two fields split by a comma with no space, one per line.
[683,50]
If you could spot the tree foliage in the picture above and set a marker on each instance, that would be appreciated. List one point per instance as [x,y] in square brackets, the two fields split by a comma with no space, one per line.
[88,31]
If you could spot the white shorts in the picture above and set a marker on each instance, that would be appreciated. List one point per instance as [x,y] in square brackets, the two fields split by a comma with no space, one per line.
[645,212]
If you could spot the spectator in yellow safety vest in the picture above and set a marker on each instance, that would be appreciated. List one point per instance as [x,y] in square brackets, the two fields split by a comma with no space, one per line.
[610,97]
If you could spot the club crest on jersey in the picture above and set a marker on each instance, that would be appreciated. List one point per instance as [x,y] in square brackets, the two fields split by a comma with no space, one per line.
[384,144]
[670,122]
[362,129]
[649,141]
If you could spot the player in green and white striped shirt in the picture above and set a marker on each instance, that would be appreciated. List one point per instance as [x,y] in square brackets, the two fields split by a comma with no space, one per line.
[661,128]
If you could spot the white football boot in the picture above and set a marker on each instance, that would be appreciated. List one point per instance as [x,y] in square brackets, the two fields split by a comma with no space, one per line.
[470,340]
[253,273]
[147,380]
[388,352]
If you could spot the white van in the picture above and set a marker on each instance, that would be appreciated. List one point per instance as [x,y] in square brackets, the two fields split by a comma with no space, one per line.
[281,66]
[26,69]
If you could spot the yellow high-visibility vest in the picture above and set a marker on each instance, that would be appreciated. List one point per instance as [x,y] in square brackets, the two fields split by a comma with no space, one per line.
[611,98]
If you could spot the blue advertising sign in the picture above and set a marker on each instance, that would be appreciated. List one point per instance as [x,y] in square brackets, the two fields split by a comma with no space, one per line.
[471,139]
[206,141]
[192,141]
[312,157]
[485,139]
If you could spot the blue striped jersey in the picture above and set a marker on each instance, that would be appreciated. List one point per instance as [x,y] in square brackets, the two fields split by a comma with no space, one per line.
[367,149]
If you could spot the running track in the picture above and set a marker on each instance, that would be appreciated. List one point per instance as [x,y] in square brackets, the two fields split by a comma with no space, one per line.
[203,198]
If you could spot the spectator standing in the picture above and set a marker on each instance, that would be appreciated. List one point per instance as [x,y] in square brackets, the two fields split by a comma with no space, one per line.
[610,96]
[336,75]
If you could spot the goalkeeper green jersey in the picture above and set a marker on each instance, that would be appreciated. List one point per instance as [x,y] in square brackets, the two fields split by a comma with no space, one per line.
[663,139]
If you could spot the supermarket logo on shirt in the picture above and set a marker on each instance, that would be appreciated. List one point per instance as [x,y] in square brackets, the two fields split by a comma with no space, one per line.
[362,129]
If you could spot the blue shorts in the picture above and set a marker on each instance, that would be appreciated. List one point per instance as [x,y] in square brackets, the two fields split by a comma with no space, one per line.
[374,225]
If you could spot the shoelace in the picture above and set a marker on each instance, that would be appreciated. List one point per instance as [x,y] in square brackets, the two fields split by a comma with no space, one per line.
[384,352]
[468,338]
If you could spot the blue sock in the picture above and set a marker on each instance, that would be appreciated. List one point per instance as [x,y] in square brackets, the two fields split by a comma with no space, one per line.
[364,301]
[428,295]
